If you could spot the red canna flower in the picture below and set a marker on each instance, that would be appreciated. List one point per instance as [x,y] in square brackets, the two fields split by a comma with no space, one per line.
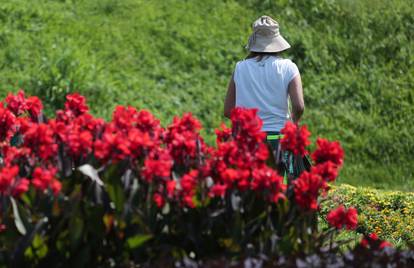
[78,142]
[223,134]
[21,187]
[188,184]
[218,190]
[56,187]
[157,165]
[44,179]
[14,156]
[147,123]
[124,118]
[341,217]
[16,103]
[39,138]
[158,200]
[246,125]
[34,106]
[171,185]
[307,188]
[266,179]
[7,123]
[76,103]
[328,151]
[295,138]
[7,178]
[183,140]
[372,241]
[327,170]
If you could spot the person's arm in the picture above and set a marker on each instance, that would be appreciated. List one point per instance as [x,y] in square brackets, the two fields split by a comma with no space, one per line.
[230,100]
[296,96]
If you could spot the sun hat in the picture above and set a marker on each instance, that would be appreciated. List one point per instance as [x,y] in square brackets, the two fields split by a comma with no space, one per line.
[266,36]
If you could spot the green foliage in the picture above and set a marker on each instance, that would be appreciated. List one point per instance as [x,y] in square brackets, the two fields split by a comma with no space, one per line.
[390,214]
[356,59]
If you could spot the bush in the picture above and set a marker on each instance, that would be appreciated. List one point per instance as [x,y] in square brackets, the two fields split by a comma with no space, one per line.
[390,214]
[81,191]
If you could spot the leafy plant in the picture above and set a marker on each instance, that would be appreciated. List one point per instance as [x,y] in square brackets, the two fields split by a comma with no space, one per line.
[81,191]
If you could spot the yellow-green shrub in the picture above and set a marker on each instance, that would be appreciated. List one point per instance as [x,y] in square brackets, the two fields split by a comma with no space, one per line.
[390,214]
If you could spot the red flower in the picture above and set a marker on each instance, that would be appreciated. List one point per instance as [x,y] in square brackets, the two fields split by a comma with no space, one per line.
[183,140]
[267,179]
[43,179]
[188,188]
[157,165]
[16,103]
[159,200]
[372,241]
[7,123]
[146,122]
[80,142]
[21,187]
[262,152]
[340,217]
[223,134]
[306,188]
[76,104]
[327,170]
[140,142]
[171,184]
[56,187]
[218,190]
[114,145]
[295,139]
[124,118]
[34,106]
[245,122]
[7,177]
[328,151]
[14,156]
[39,138]
[2,227]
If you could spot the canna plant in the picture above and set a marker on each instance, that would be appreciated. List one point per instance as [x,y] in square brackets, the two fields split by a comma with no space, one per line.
[81,191]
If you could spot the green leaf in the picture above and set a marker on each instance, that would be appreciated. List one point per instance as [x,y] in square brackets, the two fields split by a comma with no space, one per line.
[138,240]
[117,195]
[39,246]
[76,229]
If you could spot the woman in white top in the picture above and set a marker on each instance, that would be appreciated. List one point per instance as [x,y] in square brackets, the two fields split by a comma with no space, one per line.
[265,81]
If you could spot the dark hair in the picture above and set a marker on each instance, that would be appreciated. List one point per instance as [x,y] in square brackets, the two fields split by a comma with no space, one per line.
[261,55]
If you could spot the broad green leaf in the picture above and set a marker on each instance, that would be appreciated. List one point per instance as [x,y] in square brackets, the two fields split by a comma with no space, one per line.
[138,240]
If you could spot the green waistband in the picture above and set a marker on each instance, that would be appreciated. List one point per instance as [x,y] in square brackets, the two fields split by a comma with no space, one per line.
[274,137]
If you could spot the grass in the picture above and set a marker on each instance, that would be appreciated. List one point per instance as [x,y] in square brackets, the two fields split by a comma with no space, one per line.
[173,57]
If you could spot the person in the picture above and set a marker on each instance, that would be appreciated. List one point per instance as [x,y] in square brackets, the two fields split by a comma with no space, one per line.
[265,80]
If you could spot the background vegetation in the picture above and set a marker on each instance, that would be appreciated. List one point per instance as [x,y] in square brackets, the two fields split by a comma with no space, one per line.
[389,214]
[356,59]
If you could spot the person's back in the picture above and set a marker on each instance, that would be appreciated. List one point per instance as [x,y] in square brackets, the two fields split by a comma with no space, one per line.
[263,84]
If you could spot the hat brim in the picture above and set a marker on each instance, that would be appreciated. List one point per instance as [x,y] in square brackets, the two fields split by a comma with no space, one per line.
[269,44]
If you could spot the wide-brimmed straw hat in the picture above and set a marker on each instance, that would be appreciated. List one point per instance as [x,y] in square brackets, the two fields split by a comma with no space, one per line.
[266,36]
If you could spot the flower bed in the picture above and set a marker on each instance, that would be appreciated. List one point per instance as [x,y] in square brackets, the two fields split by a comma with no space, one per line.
[81,191]
[390,214]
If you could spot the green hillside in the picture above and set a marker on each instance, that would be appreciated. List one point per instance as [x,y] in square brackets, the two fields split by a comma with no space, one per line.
[356,59]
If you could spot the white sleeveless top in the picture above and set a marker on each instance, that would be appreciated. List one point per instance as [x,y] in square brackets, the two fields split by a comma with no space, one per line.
[264,85]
